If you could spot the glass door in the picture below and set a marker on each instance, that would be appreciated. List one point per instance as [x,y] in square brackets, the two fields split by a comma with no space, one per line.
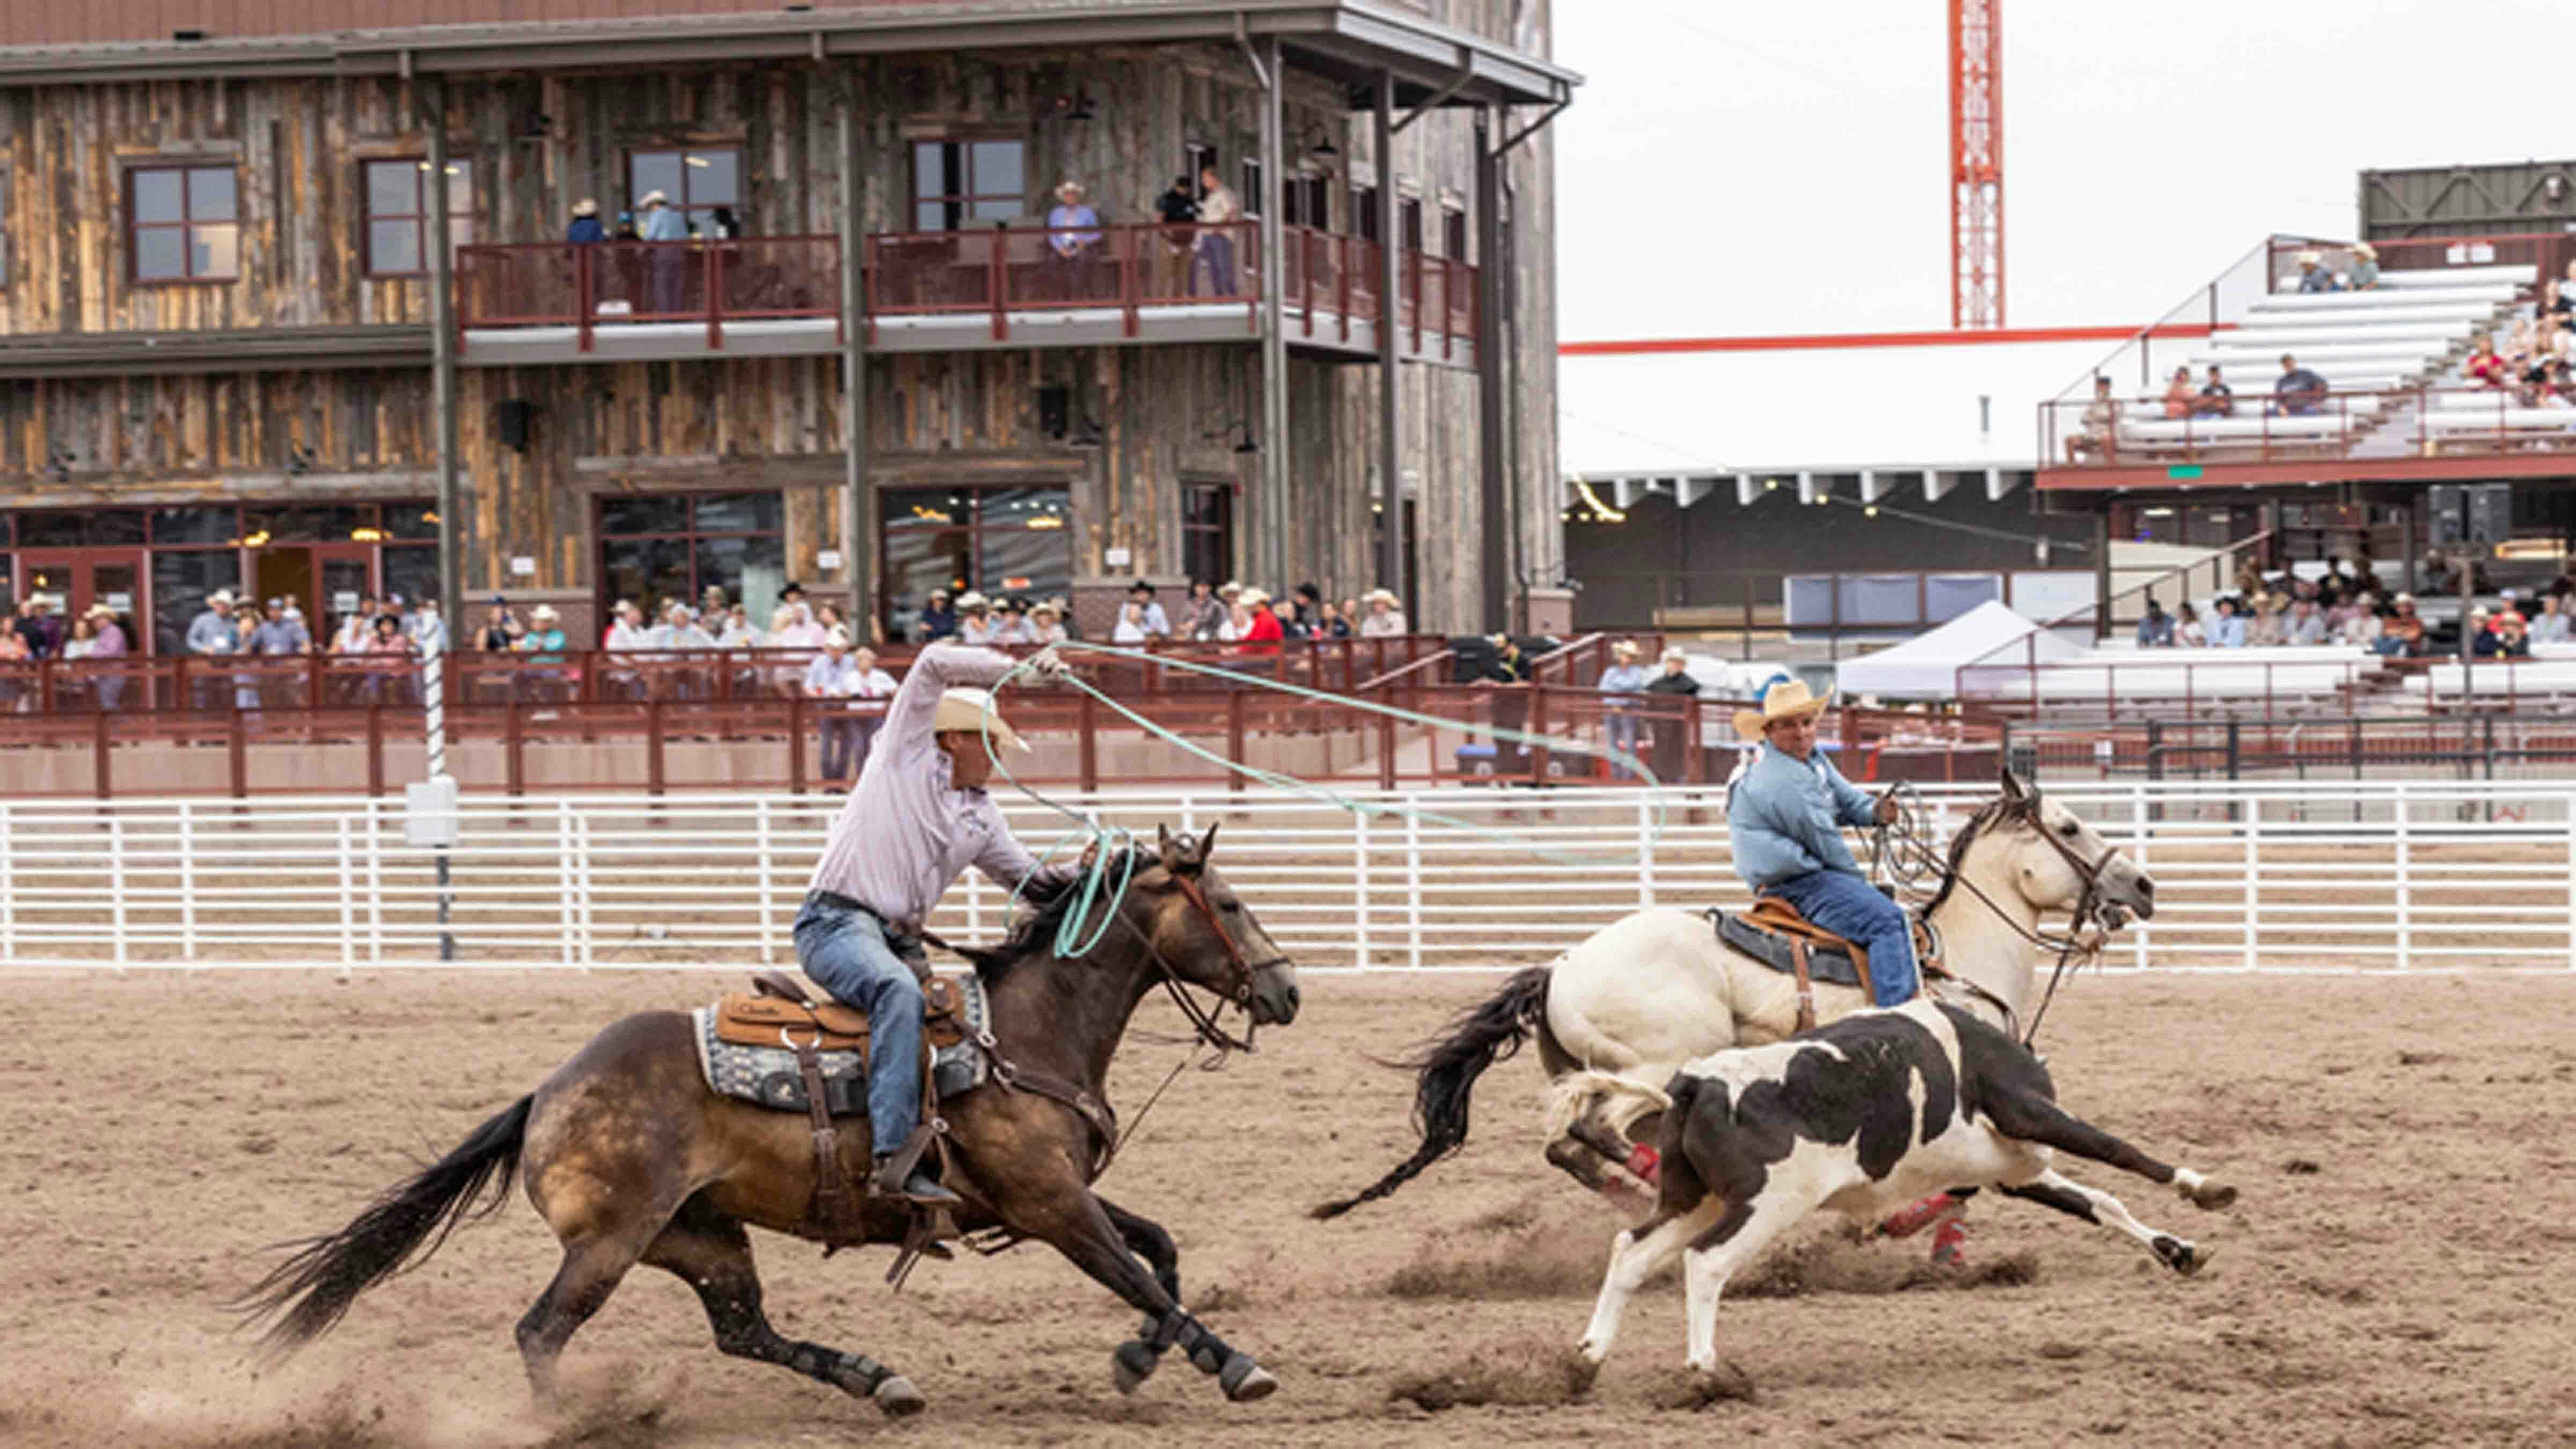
[344,576]
[73,581]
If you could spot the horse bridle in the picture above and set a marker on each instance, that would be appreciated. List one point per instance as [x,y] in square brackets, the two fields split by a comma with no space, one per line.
[1201,1020]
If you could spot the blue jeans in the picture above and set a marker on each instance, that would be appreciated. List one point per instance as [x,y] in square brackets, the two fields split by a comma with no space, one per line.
[849,954]
[1623,730]
[1853,909]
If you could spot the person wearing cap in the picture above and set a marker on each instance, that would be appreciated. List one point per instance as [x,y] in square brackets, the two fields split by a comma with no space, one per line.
[938,618]
[1505,669]
[918,817]
[1385,617]
[1785,810]
[1073,236]
[585,228]
[1624,684]
[1158,625]
[974,619]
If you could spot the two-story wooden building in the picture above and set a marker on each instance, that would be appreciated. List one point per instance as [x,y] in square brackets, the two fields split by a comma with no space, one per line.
[295,309]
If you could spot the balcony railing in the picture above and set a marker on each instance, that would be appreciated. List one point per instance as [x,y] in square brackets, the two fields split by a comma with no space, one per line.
[999,274]
[2404,422]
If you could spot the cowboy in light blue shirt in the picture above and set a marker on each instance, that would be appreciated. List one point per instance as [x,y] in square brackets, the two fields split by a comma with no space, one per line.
[1625,683]
[1785,811]
[2227,631]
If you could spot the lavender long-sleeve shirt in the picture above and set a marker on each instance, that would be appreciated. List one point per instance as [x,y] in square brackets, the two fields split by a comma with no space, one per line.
[907,833]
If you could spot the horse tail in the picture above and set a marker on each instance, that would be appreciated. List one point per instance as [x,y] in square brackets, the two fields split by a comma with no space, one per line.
[316,1285]
[1449,1065]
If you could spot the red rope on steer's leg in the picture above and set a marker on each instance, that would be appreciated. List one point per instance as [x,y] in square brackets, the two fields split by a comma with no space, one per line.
[1949,1244]
[1646,1163]
[1905,1222]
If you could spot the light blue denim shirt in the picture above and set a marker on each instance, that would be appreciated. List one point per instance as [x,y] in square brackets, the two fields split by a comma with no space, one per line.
[1785,816]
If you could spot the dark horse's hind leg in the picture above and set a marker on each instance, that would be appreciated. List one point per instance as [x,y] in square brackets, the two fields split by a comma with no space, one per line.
[591,1270]
[712,1254]
[1137,1360]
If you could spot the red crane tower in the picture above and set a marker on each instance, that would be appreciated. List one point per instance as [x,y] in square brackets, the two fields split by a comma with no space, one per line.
[1976,164]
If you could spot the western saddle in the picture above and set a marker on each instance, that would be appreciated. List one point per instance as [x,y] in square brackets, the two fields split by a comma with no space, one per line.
[1775,917]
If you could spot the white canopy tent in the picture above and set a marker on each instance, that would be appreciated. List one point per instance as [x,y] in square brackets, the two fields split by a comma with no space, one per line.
[1927,666]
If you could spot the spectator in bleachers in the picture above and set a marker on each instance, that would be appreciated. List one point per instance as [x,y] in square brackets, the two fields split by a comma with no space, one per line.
[2365,267]
[2228,632]
[2180,400]
[2480,634]
[2267,629]
[793,627]
[2360,623]
[2306,625]
[2156,629]
[2297,392]
[2402,632]
[938,619]
[2512,636]
[1157,624]
[2557,302]
[2486,367]
[2217,399]
[2551,626]
[2187,631]
[974,619]
[1385,617]
[2101,417]
[2313,276]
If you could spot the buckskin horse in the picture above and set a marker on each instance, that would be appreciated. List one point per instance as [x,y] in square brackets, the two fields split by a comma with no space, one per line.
[1659,988]
[631,1157]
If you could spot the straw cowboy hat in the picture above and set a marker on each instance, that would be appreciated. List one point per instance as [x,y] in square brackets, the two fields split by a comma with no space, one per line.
[971,600]
[1252,597]
[967,710]
[1786,699]
[587,206]
[1388,595]
[220,596]
[99,611]
[655,197]
[1228,587]
[544,614]
[1624,649]
[2365,249]
[2310,257]
[1050,608]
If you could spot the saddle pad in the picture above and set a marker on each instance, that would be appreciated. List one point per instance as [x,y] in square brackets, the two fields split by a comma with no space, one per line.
[745,1020]
[1827,963]
[767,1076]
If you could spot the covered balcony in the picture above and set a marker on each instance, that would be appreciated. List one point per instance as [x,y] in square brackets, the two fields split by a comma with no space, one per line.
[950,291]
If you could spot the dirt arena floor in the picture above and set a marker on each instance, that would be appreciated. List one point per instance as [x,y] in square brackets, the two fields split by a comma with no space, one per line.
[2401,1267]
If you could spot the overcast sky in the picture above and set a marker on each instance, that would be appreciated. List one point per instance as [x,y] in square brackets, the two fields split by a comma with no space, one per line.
[1732,168]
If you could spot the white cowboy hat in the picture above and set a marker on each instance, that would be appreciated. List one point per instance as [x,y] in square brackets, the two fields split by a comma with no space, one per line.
[972,600]
[1676,655]
[2310,257]
[98,611]
[1252,596]
[1050,608]
[1374,595]
[544,614]
[1229,587]
[585,207]
[968,710]
[1624,649]
[1787,699]
[655,198]
[2365,249]
[220,596]
[1069,184]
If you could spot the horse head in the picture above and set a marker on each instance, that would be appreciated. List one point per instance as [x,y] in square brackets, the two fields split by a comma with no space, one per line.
[2060,863]
[1209,936]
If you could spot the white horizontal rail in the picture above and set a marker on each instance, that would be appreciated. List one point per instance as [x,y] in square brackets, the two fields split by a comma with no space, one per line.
[2348,876]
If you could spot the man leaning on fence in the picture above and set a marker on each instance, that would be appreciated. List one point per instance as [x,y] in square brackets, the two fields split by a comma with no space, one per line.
[1785,811]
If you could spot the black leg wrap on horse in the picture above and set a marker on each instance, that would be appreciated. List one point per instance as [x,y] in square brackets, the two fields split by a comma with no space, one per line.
[855,1372]
[1177,1328]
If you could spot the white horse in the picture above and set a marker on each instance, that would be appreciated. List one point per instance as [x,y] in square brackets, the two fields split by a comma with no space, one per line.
[1658,988]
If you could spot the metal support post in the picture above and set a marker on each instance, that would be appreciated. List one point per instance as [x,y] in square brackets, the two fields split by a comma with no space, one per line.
[1494,403]
[858,531]
[442,360]
[1277,552]
[1390,435]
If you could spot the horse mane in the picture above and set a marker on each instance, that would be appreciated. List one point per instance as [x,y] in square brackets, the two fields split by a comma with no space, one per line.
[2001,810]
[1033,936]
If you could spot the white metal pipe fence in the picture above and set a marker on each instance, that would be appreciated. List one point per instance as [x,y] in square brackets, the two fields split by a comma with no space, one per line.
[2349,876]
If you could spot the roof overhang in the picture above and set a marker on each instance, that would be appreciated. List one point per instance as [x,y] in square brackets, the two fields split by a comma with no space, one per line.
[1798,482]
[1349,40]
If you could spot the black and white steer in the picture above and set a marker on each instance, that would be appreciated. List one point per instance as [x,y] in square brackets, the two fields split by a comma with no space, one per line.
[1870,1113]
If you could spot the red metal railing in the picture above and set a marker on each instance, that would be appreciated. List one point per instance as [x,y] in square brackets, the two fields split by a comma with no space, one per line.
[535,746]
[622,283]
[1329,281]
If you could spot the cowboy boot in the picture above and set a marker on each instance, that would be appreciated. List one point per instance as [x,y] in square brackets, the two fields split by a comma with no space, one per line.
[896,1178]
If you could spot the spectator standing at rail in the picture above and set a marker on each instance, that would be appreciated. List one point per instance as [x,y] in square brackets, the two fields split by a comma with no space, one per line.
[834,679]
[1217,206]
[1046,623]
[2217,399]
[1204,613]
[1310,608]
[1158,625]
[2156,628]
[1011,622]
[585,229]
[1073,242]
[1255,624]
[626,629]
[1334,622]
[1505,672]
[663,223]
[428,628]
[1178,208]
[2297,392]
[35,624]
[938,618]
[501,628]
[2180,400]
[1129,631]
[1385,617]
[1292,622]
[2228,632]
[1623,684]
[974,619]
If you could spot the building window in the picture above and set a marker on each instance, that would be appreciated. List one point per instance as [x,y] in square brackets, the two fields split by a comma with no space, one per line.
[398,213]
[1364,212]
[1408,221]
[1251,197]
[1207,531]
[1198,161]
[1307,201]
[958,184]
[1453,233]
[661,549]
[994,540]
[697,179]
[183,224]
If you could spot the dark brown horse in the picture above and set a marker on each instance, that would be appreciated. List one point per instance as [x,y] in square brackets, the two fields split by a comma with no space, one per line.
[631,1158]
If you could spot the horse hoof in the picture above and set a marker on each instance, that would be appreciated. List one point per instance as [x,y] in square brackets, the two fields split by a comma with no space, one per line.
[1133,1363]
[2182,1256]
[898,1398]
[1245,1381]
[2211,1195]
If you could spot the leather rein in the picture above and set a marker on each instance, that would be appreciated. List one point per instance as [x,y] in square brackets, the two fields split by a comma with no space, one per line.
[1912,857]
